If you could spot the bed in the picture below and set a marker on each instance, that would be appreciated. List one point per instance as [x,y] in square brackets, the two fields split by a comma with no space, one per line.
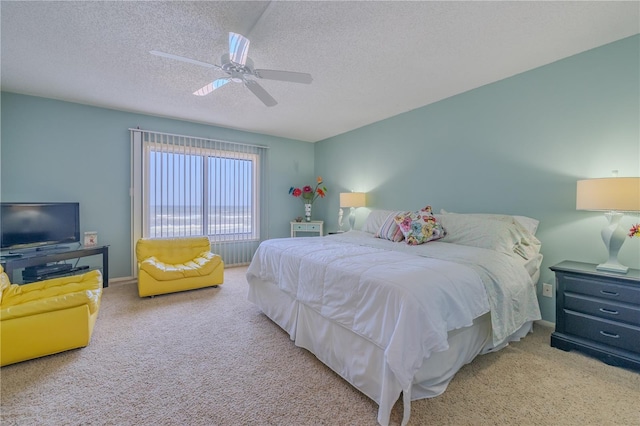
[394,318]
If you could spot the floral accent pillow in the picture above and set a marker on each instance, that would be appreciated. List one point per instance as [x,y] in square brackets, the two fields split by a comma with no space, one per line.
[389,230]
[419,227]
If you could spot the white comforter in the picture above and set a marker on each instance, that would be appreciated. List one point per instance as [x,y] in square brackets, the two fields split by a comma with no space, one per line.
[402,298]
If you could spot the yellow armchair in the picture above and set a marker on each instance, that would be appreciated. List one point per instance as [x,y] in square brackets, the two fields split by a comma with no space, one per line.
[47,317]
[168,265]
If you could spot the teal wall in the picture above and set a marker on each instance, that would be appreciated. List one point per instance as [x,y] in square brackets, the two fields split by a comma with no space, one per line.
[516,146]
[60,151]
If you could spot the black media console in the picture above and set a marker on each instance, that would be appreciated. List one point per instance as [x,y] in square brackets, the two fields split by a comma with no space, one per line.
[39,265]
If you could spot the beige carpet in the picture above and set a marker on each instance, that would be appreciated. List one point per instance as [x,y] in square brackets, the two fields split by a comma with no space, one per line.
[209,357]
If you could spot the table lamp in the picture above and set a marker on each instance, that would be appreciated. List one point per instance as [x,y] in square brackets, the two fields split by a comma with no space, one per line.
[612,195]
[352,200]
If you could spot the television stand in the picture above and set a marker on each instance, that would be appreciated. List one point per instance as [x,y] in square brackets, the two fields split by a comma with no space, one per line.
[10,255]
[53,248]
[43,257]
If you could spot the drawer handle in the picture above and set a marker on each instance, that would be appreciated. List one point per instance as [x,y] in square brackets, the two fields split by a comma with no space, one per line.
[609,293]
[608,311]
[604,333]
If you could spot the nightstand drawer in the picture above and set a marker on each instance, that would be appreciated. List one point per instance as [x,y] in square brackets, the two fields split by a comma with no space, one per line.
[604,290]
[313,227]
[620,335]
[603,309]
[306,227]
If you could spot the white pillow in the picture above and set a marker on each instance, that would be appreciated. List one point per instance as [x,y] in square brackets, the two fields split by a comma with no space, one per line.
[530,224]
[495,234]
[374,221]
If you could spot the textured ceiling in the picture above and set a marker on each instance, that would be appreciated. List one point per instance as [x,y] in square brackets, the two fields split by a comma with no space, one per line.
[369,60]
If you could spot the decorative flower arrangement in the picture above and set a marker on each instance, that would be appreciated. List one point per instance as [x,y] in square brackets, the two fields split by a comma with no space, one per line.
[307,194]
[634,231]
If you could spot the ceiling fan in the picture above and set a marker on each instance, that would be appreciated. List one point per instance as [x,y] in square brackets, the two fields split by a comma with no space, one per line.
[239,66]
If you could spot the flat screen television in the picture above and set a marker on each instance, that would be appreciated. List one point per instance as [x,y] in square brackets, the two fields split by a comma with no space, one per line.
[29,225]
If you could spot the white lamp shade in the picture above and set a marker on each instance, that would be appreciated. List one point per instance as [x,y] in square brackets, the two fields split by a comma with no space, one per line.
[609,194]
[353,199]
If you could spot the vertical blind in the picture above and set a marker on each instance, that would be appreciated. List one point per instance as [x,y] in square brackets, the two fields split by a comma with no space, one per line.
[188,186]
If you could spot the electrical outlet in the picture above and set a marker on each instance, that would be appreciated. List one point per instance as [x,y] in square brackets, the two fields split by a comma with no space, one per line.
[547,290]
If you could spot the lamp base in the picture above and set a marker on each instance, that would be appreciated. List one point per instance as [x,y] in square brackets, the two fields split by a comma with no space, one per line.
[612,267]
[613,238]
[352,218]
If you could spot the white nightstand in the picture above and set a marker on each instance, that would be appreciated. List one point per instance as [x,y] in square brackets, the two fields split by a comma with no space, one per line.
[315,226]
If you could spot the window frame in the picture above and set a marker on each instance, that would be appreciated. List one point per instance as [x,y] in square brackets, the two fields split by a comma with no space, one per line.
[205,154]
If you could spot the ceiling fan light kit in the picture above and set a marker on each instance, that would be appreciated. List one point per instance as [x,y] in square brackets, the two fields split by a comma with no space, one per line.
[238,66]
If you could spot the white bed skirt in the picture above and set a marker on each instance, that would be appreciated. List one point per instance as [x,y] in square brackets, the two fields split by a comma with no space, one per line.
[361,362]
[277,305]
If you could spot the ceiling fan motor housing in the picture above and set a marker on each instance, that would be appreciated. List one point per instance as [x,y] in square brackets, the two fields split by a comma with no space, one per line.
[231,67]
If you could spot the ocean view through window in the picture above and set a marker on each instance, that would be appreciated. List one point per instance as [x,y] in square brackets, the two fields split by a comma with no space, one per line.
[191,186]
[205,192]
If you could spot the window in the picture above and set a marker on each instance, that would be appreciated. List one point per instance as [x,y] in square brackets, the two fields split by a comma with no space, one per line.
[207,192]
[184,186]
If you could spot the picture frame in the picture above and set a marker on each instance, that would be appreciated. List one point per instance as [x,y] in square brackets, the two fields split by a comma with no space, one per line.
[90,239]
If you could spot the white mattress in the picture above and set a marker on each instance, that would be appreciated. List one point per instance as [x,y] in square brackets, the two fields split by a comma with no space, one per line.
[369,311]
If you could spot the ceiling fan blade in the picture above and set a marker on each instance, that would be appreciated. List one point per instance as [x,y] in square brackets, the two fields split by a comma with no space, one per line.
[260,93]
[211,86]
[294,77]
[238,48]
[183,59]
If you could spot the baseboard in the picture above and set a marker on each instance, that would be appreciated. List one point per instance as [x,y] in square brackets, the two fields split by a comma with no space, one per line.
[122,280]
[544,323]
